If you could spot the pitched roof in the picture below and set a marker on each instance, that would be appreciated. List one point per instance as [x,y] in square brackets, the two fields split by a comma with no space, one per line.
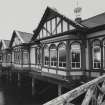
[95,21]
[5,43]
[23,36]
[26,37]
[49,12]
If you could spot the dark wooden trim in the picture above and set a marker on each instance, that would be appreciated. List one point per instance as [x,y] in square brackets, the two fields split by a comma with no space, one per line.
[29,58]
[59,35]
[62,26]
[51,26]
[22,58]
[56,25]
[68,59]
[101,58]
[99,36]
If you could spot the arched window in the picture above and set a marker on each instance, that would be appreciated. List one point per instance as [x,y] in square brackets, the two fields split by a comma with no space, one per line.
[53,56]
[75,56]
[96,54]
[46,55]
[62,55]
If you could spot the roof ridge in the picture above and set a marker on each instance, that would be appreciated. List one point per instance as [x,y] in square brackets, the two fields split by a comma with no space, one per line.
[93,17]
[23,32]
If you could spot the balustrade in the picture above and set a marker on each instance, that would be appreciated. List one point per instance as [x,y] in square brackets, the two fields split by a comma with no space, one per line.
[91,93]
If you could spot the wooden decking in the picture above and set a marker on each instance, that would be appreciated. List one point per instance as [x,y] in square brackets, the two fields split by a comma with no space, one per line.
[91,93]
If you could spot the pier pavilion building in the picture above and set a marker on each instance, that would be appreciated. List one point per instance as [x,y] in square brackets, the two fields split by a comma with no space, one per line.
[59,48]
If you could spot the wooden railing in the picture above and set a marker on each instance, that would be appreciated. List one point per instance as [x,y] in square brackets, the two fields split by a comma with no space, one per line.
[91,93]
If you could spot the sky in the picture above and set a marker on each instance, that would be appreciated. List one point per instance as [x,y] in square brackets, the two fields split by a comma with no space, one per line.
[24,15]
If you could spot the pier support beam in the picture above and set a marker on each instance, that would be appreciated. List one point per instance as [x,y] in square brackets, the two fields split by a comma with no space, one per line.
[59,89]
[10,76]
[33,86]
[18,79]
[18,76]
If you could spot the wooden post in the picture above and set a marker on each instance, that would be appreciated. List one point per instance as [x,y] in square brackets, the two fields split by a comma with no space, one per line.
[88,96]
[83,56]
[101,59]
[33,86]
[59,89]
[68,60]
[101,95]
[29,60]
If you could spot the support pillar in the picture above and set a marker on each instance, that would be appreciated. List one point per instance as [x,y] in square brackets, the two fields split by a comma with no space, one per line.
[68,60]
[59,89]
[18,79]
[10,76]
[18,76]
[33,86]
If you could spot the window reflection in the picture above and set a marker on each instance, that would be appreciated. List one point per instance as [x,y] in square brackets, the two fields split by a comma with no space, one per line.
[75,56]
[96,55]
[46,55]
[53,56]
[62,55]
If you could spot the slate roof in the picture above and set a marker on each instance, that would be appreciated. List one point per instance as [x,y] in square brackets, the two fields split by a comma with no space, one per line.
[25,36]
[94,21]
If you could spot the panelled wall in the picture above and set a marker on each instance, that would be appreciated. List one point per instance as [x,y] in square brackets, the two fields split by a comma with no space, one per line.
[54,26]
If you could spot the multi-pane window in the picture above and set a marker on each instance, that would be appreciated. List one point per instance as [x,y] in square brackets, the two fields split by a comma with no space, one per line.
[75,56]
[53,56]
[46,55]
[62,55]
[17,57]
[39,56]
[8,58]
[25,57]
[96,51]
[4,58]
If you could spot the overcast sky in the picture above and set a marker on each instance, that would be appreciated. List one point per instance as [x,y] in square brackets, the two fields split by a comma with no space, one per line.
[24,15]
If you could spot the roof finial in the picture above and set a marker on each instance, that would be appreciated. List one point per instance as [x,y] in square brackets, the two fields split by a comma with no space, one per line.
[77,10]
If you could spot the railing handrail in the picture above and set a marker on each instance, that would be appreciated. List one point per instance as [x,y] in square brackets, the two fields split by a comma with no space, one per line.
[71,95]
